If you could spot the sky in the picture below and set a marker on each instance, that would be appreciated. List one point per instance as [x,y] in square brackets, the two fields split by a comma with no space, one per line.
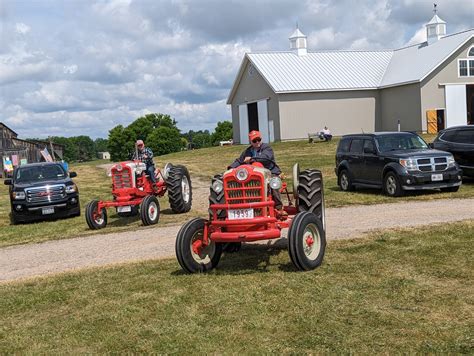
[81,67]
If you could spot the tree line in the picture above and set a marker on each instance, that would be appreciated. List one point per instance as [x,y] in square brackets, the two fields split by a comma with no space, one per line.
[158,131]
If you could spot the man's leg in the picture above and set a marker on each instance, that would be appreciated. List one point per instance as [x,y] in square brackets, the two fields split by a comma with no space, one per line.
[277,198]
[151,173]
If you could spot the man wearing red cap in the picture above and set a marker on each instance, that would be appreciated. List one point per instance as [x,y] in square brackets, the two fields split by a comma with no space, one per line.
[258,149]
[145,155]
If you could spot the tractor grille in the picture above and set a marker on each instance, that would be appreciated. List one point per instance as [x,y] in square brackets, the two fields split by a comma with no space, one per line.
[432,164]
[122,179]
[46,194]
[249,192]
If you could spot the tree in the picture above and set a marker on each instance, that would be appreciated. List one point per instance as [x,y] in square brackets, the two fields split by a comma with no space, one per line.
[164,140]
[71,152]
[101,145]
[223,132]
[117,144]
[85,147]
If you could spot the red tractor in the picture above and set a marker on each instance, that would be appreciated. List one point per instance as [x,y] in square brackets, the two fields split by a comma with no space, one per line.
[242,210]
[133,192]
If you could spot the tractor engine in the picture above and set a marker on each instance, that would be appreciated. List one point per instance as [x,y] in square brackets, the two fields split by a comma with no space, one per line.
[127,175]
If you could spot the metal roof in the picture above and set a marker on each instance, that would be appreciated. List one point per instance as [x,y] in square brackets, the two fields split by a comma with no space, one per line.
[435,20]
[286,72]
[414,63]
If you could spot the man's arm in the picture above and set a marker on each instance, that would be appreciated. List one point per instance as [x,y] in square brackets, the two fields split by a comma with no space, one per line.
[239,160]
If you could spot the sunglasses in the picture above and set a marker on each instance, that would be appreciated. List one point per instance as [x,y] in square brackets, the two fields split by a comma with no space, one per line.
[256,140]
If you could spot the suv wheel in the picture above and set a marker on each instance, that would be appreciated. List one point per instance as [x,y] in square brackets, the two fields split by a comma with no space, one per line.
[392,186]
[345,181]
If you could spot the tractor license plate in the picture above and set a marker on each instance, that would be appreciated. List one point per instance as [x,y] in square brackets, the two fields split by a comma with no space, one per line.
[436,177]
[47,211]
[124,209]
[236,214]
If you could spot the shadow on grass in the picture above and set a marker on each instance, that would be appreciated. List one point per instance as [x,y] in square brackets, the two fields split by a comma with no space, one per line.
[251,259]
[378,191]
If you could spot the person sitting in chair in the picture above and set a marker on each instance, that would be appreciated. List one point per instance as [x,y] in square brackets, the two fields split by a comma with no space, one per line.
[325,134]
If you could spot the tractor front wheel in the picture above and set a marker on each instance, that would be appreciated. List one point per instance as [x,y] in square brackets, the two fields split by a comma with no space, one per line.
[95,219]
[192,255]
[180,193]
[150,210]
[311,193]
[306,241]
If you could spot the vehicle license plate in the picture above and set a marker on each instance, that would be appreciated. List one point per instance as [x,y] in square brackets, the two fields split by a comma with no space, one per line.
[236,214]
[436,177]
[124,209]
[47,211]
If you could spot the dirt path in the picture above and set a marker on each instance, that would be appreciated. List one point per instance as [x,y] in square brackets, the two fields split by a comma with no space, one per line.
[19,262]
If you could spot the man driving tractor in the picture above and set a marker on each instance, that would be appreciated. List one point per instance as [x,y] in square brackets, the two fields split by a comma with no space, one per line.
[258,149]
[145,155]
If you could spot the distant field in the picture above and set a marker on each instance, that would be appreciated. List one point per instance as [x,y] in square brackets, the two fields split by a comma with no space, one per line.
[398,292]
[203,164]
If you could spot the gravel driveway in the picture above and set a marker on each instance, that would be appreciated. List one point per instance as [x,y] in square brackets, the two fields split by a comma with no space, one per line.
[26,261]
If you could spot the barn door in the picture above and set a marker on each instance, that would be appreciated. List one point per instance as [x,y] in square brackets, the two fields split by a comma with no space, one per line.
[263,119]
[456,111]
[432,121]
[243,124]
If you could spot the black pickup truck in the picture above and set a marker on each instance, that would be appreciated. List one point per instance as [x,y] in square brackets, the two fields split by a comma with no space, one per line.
[42,190]
[395,162]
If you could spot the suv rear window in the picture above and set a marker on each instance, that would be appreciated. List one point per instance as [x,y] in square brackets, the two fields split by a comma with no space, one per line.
[356,146]
[344,145]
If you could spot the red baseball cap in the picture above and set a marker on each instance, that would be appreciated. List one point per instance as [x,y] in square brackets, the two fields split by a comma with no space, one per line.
[254,134]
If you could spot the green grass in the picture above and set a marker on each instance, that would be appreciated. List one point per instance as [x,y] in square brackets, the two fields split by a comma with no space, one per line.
[394,292]
[203,164]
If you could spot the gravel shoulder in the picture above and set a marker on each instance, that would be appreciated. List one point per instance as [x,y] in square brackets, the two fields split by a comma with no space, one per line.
[52,257]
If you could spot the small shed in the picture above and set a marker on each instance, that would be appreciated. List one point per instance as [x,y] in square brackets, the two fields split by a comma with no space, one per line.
[104,155]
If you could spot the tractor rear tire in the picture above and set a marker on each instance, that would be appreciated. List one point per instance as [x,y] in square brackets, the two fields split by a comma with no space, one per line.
[94,220]
[205,258]
[150,210]
[217,198]
[134,212]
[306,241]
[311,193]
[180,192]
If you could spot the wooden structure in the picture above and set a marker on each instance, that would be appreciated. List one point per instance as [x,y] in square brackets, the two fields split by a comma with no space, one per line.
[11,145]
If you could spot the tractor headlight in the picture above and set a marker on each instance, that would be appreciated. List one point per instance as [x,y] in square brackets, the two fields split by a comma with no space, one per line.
[138,170]
[451,161]
[409,164]
[166,170]
[242,174]
[118,167]
[217,186]
[275,183]
[71,189]
[19,195]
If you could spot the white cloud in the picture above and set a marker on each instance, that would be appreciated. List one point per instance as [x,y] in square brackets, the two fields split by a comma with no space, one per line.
[22,29]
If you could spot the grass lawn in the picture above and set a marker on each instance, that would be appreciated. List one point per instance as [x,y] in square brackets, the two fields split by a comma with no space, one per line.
[203,164]
[403,291]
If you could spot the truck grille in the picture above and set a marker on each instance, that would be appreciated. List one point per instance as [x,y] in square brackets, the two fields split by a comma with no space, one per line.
[249,192]
[46,194]
[432,164]
[122,179]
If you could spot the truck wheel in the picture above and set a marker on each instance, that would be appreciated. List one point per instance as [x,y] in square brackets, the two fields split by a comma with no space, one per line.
[345,181]
[450,189]
[94,219]
[134,212]
[217,198]
[191,255]
[150,210]
[306,241]
[391,185]
[311,193]
[180,193]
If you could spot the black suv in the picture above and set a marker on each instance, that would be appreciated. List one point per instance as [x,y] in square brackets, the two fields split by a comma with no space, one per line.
[394,161]
[459,141]
[41,190]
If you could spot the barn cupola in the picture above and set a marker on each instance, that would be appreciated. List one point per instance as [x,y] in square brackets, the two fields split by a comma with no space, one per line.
[298,42]
[436,28]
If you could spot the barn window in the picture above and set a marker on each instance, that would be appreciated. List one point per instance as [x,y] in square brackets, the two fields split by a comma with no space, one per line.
[463,68]
[471,52]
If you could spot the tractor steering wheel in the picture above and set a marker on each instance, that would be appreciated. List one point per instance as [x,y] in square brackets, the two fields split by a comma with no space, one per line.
[264,160]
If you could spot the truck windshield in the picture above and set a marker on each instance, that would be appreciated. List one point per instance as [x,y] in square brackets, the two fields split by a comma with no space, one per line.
[400,142]
[40,173]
